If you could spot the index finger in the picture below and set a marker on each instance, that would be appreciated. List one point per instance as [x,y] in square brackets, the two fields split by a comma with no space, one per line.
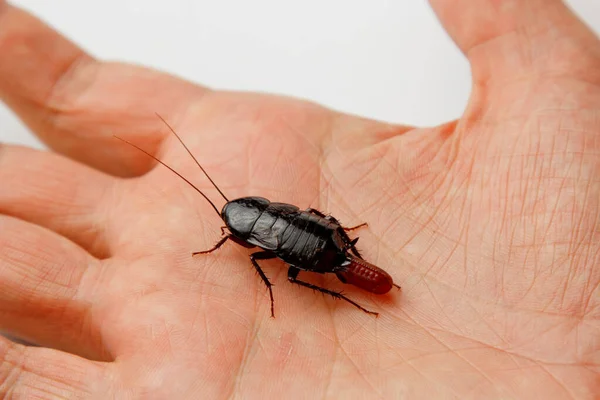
[75,103]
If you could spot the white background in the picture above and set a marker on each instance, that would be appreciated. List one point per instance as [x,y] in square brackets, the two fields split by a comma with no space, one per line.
[383,59]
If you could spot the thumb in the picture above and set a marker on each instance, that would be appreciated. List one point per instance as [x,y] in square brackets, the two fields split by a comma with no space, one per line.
[508,39]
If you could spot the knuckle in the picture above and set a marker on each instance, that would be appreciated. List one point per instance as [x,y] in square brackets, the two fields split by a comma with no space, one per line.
[71,83]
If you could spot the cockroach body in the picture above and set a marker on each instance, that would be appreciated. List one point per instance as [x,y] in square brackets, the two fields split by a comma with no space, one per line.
[306,240]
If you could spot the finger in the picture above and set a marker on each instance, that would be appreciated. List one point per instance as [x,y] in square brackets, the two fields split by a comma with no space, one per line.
[44,284]
[57,193]
[514,38]
[76,104]
[38,373]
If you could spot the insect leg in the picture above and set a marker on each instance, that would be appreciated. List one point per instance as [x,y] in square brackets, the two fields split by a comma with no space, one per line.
[316,212]
[354,250]
[355,227]
[350,243]
[264,255]
[293,278]
[216,246]
[334,220]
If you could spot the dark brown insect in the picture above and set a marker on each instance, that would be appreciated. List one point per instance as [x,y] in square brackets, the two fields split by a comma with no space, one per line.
[307,240]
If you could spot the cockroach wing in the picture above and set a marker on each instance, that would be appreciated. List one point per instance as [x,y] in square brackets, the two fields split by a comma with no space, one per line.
[267,231]
[263,240]
[282,209]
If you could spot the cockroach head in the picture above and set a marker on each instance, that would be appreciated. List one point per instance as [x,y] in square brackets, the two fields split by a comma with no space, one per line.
[240,215]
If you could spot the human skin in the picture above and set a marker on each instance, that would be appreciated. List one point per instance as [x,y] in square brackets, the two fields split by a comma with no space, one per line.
[490,224]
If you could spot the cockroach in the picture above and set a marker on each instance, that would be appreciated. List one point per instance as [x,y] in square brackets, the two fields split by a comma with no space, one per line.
[306,240]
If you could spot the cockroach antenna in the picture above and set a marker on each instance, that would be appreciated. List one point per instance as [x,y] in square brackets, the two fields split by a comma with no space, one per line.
[190,153]
[175,172]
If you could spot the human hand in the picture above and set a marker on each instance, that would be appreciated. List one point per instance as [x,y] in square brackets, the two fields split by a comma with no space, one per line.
[489,224]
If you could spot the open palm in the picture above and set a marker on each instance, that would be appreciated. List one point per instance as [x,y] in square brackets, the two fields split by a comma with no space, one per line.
[489,224]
